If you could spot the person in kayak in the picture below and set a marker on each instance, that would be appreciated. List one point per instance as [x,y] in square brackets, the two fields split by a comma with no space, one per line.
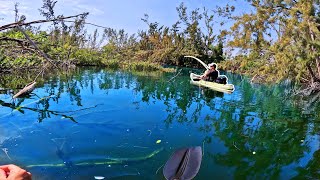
[211,74]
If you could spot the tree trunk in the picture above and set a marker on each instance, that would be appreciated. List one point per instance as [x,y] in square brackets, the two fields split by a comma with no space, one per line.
[313,76]
[26,90]
[312,35]
[318,65]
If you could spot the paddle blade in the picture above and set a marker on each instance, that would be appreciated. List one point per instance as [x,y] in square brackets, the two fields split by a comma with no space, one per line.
[183,164]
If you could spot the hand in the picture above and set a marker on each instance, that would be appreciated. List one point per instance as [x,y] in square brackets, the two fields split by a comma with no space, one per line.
[13,172]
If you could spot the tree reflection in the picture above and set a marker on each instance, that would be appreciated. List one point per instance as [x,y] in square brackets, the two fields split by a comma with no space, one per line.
[56,84]
[42,108]
[262,130]
[260,126]
[312,170]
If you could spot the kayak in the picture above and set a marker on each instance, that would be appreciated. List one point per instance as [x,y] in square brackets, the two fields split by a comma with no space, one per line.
[196,80]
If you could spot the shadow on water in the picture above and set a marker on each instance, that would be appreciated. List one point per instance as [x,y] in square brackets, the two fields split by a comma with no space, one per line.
[258,131]
[209,94]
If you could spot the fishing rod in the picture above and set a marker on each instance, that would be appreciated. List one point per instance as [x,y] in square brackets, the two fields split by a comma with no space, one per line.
[204,64]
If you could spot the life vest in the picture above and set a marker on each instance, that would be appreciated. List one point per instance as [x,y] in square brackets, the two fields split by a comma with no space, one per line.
[212,76]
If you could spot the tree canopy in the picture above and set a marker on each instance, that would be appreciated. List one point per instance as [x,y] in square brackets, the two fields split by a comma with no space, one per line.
[280,39]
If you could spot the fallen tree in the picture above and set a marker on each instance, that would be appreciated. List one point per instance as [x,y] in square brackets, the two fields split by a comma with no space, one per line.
[26,90]
[28,45]
[17,24]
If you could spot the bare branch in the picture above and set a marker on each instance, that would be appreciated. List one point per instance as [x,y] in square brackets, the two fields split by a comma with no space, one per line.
[20,41]
[91,24]
[13,25]
[36,47]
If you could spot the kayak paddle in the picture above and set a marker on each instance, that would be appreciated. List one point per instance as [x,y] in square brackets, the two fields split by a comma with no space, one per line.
[183,164]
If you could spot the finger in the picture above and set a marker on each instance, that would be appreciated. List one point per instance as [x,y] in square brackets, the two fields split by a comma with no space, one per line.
[27,176]
[5,168]
[3,174]
[15,169]
[11,167]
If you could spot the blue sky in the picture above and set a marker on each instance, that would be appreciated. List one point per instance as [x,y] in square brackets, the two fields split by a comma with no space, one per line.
[118,14]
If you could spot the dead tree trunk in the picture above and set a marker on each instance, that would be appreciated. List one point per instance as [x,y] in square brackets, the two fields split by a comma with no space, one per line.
[13,25]
[318,65]
[26,90]
[314,78]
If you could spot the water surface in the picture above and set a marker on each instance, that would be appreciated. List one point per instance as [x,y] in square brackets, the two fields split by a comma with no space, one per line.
[97,122]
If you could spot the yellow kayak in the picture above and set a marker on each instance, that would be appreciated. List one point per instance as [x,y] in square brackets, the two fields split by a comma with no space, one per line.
[196,80]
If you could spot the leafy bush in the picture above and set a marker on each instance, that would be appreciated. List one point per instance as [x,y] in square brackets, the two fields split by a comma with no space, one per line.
[112,63]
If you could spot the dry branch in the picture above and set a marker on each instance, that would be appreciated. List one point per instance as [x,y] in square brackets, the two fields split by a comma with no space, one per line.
[92,24]
[16,24]
[175,76]
[36,47]
[26,90]
[17,47]
[20,41]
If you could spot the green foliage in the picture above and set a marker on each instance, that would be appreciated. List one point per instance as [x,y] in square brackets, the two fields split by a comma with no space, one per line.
[87,57]
[112,63]
[144,66]
[293,54]
[158,45]
[293,49]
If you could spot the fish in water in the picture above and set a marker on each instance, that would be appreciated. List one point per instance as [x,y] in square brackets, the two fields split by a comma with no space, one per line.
[65,159]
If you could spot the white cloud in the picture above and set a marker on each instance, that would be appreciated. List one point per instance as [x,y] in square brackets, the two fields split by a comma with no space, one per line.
[7,13]
[92,10]
[79,6]
[7,8]
[29,8]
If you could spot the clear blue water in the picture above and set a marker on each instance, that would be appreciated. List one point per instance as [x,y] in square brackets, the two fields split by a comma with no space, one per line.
[96,122]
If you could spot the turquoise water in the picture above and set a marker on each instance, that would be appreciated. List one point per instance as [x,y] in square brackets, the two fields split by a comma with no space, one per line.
[96,122]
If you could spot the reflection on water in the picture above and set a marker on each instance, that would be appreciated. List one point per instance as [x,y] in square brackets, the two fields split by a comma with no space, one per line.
[106,123]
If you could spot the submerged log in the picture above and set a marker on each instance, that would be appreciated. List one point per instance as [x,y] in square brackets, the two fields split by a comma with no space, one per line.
[26,90]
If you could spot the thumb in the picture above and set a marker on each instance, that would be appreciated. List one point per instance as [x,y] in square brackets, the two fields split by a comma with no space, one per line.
[3,174]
